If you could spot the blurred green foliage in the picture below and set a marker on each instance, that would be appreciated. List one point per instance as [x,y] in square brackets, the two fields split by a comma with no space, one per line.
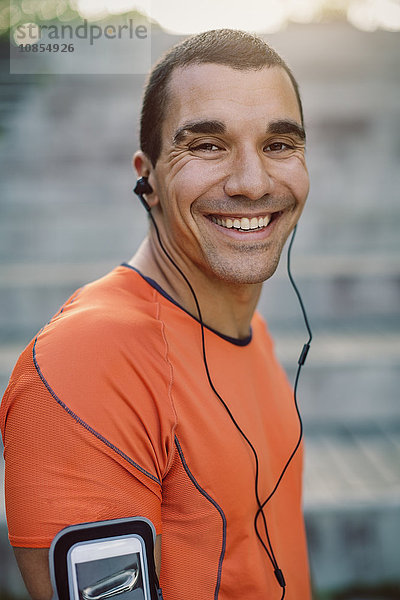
[17,12]
[35,11]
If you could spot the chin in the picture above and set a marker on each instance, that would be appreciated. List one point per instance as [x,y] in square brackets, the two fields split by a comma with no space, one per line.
[250,273]
[249,264]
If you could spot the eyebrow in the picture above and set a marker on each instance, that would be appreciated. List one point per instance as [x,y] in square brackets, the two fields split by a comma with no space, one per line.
[214,126]
[287,126]
[211,127]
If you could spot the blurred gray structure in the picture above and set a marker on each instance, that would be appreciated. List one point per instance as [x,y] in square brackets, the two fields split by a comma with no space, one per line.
[68,216]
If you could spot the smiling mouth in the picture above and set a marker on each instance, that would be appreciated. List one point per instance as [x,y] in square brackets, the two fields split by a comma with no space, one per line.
[244,223]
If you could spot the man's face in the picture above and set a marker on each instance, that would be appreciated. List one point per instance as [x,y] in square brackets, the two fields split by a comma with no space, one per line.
[231,180]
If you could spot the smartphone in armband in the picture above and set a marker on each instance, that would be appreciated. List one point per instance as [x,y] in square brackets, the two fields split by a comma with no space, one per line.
[105,569]
[107,559]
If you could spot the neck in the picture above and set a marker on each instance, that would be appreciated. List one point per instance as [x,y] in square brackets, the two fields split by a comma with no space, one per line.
[225,307]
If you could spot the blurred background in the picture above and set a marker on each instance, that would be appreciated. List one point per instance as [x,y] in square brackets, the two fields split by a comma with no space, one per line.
[68,216]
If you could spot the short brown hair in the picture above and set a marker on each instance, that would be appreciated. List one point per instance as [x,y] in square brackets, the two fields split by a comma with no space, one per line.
[237,49]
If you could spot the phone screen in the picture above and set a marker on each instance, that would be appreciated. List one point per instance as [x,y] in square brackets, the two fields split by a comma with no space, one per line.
[108,573]
[98,578]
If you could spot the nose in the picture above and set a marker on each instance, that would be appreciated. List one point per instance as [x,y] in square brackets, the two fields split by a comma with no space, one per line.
[249,176]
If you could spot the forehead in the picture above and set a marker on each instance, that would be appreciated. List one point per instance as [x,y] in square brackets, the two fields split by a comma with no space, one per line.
[230,95]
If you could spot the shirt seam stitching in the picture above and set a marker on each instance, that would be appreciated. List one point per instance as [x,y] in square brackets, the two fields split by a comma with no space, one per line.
[231,340]
[216,505]
[171,380]
[83,423]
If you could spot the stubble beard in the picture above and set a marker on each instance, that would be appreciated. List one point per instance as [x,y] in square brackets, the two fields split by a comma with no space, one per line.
[250,264]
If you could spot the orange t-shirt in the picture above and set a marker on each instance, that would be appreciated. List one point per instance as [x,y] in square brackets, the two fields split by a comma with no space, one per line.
[109,414]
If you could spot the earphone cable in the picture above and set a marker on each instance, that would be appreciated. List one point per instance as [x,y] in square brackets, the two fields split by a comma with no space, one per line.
[269,550]
[301,362]
[289,272]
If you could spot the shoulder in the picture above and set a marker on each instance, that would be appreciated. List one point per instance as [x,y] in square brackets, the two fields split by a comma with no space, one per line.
[107,335]
[101,361]
[104,322]
[102,356]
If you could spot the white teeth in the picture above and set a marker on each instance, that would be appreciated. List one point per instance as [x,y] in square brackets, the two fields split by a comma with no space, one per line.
[267,220]
[254,223]
[244,223]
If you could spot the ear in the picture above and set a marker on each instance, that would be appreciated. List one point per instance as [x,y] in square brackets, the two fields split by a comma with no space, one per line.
[144,168]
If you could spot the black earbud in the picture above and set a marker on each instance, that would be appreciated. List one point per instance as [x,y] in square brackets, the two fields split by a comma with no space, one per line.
[143,187]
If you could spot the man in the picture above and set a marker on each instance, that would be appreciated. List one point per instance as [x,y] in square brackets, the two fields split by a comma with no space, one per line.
[118,408]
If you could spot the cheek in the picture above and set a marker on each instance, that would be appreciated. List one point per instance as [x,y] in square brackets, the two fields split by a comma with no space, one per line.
[295,177]
[302,186]
[193,180]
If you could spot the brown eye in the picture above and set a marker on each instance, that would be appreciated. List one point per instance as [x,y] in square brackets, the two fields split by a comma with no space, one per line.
[205,147]
[278,147]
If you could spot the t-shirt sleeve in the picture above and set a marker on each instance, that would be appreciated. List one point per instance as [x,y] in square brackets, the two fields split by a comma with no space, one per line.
[80,447]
